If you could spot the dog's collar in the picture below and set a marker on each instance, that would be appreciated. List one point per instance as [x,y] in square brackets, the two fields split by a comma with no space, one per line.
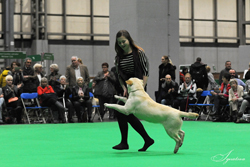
[135,90]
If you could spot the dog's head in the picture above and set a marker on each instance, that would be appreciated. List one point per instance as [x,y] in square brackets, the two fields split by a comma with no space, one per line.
[134,84]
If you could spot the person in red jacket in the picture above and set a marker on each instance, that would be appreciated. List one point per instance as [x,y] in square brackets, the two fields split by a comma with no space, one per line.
[221,98]
[49,98]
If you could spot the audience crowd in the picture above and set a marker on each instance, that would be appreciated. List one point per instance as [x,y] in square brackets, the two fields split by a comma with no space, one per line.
[70,93]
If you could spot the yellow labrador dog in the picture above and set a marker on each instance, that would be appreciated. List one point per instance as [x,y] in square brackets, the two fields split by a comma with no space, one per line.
[143,107]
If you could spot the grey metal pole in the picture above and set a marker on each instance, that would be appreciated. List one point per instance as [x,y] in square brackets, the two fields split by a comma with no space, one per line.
[11,24]
[8,21]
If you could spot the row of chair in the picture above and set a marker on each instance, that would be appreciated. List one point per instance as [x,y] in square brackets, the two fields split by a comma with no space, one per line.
[201,106]
[206,103]
[43,114]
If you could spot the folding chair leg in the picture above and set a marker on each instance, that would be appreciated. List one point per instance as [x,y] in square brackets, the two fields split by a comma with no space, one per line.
[98,113]
[27,116]
[66,115]
[207,115]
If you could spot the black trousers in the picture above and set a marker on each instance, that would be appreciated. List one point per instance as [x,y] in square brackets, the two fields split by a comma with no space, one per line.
[123,121]
[103,100]
[70,108]
[183,103]
[16,110]
[218,100]
[80,106]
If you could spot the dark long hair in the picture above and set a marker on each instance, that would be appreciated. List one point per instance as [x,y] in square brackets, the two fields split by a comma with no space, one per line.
[126,34]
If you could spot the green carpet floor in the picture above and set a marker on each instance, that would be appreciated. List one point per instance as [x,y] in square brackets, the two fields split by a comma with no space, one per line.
[89,144]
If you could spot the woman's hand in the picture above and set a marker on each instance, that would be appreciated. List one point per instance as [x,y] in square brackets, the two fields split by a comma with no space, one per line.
[19,86]
[221,94]
[213,93]
[125,93]
[234,100]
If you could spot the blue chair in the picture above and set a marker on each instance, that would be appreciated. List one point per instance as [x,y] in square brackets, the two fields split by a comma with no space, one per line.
[96,107]
[38,114]
[201,106]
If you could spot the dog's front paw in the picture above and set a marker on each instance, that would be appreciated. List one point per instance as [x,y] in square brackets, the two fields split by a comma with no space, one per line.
[117,97]
[106,104]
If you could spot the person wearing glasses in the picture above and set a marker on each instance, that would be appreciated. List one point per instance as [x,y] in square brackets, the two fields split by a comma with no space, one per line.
[76,70]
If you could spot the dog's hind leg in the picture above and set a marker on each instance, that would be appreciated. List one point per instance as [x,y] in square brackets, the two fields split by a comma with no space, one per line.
[174,135]
[181,133]
[123,99]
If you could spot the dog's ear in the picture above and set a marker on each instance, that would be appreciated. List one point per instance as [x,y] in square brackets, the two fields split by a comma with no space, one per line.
[129,82]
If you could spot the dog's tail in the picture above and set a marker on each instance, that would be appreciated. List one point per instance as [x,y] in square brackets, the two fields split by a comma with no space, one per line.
[189,114]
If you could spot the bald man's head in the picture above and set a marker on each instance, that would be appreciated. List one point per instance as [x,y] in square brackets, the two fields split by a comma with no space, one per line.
[232,73]
[168,78]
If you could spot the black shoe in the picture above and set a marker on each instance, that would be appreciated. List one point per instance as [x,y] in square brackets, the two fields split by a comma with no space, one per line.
[121,146]
[147,145]
[217,120]
[55,121]
[71,121]
[90,121]
[229,119]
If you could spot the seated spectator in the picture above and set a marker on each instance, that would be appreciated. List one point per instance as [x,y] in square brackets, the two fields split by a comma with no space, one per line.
[247,88]
[245,103]
[247,76]
[54,76]
[169,91]
[187,94]
[95,100]
[93,87]
[182,75]
[105,89]
[12,98]
[235,98]
[81,99]
[165,68]
[221,98]
[3,76]
[212,85]
[38,75]
[240,82]
[1,106]
[63,91]
[49,98]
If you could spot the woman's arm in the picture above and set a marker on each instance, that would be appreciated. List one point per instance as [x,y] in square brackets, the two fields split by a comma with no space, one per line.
[51,89]
[145,80]
[125,93]
[99,76]
[39,90]
[230,92]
